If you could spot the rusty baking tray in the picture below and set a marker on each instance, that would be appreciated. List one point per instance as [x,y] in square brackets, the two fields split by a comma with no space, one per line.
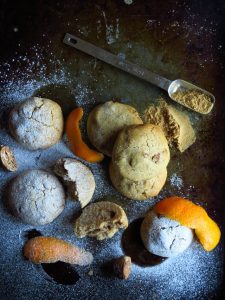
[177,39]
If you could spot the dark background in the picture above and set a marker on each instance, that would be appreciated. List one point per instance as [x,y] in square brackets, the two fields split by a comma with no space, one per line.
[24,24]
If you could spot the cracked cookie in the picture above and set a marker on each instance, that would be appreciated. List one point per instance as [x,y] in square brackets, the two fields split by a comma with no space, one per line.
[164,237]
[106,120]
[141,152]
[137,190]
[100,220]
[78,179]
[36,197]
[176,124]
[36,123]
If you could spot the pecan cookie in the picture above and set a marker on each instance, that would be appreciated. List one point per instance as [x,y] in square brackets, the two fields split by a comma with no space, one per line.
[141,152]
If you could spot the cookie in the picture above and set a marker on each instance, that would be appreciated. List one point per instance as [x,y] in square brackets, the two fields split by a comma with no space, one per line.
[106,120]
[141,152]
[78,179]
[100,220]
[164,237]
[36,123]
[137,190]
[176,124]
[36,197]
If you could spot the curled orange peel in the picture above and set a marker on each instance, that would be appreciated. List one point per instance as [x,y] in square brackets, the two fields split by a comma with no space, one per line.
[193,216]
[77,144]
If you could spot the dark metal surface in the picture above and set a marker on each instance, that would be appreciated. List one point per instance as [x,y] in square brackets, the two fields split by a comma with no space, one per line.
[116,61]
[177,39]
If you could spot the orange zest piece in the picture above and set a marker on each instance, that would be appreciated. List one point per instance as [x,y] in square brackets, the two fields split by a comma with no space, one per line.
[78,146]
[193,216]
[44,249]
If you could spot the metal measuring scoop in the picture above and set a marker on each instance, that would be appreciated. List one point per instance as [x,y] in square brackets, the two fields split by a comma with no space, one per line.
[178,90]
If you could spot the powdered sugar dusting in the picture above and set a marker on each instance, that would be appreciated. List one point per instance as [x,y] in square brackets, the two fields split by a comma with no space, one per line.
[188,274]
[176,181]
[19,84]
[112,31]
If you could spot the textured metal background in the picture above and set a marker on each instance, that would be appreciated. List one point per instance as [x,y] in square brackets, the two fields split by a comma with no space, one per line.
[178,39]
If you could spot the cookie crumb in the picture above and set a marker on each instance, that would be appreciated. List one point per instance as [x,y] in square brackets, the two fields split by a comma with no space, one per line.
[122,267]
[91,273]
[8,159]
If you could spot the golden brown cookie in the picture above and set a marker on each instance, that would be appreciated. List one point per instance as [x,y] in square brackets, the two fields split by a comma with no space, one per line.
[106,120]
[100,220]
[141,152]
[176,124]
[137,190]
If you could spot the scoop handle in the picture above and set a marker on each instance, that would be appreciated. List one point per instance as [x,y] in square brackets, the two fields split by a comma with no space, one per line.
[116,61]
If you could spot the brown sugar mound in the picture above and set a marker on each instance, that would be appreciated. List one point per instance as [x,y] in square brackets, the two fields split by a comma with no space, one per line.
[194,99]
[175,124]
[100,220]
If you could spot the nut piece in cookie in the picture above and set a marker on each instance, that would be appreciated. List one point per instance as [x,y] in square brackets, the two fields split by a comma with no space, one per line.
[164,237]
[141,152]
[45,249]
[100,220]
[8,159]
[106,120]
[78,179]
[36,123]
[122,267]
[36,197]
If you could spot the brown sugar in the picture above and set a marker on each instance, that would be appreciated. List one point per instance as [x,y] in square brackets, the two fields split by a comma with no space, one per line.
[194,99]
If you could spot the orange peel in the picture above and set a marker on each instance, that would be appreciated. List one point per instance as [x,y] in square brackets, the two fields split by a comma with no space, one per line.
[193,216]
[46,249]
[77,144]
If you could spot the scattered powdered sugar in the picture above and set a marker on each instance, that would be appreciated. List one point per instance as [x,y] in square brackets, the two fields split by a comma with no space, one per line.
[128,2]
[192,25]
[186,276]
[83,95]
[111,31]
[121,55]
[16,76]
[176,181]
[192,29]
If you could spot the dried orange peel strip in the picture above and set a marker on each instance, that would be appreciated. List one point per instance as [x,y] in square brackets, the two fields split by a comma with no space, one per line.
[44,249]
[193,216]
[78,146]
